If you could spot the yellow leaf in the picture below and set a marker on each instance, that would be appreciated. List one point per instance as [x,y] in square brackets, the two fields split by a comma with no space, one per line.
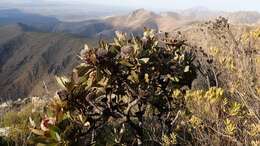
[133,77]
[103,82]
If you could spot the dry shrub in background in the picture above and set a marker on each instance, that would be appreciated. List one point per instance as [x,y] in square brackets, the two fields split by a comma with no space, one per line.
[234,52]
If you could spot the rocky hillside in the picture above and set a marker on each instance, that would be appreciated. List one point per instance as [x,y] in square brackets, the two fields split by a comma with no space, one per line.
[29,60]
[34,48]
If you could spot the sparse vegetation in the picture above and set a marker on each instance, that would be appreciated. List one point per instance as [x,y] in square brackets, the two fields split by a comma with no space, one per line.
[16,122]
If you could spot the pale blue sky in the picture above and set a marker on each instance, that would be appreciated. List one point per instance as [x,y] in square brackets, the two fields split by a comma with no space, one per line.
[227,5]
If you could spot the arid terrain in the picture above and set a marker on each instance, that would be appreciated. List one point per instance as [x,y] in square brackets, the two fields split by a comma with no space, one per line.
[29,42]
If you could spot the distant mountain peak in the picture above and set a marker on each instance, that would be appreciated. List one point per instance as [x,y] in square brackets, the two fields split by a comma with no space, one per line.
[142,12]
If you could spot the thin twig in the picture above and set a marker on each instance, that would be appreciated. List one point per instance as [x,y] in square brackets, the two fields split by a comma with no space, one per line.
[176,117]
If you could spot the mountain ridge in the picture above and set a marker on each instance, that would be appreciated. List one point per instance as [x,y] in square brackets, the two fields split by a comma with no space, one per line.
[30,56]
[133,22]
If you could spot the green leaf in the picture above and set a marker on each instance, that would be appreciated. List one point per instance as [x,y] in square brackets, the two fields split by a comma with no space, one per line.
[54,128]
[99,74]
[55,136]
[83,68]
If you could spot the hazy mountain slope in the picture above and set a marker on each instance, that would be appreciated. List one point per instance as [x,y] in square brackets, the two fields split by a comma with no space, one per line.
[135,21]
[204,14]
[8,32]
[64,10]
[30,58]
[89,28]
[243,17]
[13,16]
[104,28]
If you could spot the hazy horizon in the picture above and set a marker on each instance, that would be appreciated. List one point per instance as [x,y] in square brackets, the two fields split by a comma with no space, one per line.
[156,5]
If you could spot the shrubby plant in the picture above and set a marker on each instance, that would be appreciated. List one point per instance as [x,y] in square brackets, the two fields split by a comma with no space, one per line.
[120,87]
